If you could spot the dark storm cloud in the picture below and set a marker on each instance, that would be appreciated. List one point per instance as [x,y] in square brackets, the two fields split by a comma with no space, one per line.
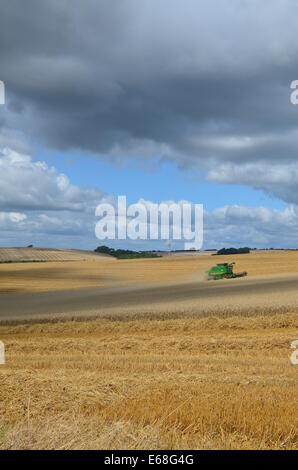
[203,83]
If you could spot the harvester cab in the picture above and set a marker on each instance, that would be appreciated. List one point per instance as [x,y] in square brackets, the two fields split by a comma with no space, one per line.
[223,271]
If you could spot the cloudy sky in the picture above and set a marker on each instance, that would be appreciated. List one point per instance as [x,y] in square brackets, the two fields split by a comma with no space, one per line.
[162,101]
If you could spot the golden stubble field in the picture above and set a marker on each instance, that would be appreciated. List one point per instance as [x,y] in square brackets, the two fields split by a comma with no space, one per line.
[218,382]
[207,383]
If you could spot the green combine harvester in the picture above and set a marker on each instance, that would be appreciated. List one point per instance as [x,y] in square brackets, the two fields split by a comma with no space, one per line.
[223,271]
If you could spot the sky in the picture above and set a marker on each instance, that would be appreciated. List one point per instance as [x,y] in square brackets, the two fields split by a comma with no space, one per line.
[158,101]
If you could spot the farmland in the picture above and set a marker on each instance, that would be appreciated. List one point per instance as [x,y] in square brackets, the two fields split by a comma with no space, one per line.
[183,383]
[35,255]
[90,270]
[171,375]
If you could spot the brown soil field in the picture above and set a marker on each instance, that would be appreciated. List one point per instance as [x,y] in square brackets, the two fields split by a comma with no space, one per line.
[209,383]
[98,271]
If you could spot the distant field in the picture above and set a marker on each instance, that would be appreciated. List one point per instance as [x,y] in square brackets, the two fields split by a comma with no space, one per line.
[212,383]
[92,270]
[22,255]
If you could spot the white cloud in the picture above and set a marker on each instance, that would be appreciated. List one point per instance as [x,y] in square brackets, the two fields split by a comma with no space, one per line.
[39,205]
[9,218]
[277,179]
[226,226]
[16,217]
[33,185]
[251,226]
[238,225]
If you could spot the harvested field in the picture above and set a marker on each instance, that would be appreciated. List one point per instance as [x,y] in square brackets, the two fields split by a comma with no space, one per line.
[99,271]
[207,383]
[35,255]
[184,298]
[162,371]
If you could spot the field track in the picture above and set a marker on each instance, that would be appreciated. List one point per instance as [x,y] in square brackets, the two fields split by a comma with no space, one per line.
[270,292]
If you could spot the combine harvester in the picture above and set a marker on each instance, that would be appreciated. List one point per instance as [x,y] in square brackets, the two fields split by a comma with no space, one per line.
[223,271]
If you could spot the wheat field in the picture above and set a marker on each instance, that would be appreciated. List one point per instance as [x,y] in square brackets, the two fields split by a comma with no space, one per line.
[154,383]
[98,271]
[168,378]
